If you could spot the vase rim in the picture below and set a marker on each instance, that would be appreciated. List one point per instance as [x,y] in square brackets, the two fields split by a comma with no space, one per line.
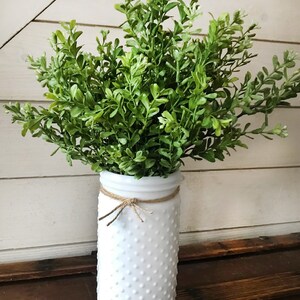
[111,179]
[131,176]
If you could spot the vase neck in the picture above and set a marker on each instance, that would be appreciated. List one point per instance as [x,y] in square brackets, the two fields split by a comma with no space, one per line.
[145,188]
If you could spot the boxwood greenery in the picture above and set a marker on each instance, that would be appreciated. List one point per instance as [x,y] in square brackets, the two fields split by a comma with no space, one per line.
[170,93]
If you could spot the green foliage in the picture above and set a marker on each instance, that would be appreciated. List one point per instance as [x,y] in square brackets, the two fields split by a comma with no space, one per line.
[168,94]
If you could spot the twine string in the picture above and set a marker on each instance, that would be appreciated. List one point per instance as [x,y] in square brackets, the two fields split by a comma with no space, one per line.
[133,203]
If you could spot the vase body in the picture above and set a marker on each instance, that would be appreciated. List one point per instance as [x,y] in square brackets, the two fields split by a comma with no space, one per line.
[138,260]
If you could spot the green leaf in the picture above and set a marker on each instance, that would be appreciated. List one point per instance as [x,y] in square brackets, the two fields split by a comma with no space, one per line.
[106,134]
[248,76]
[145,101]
[129,152]
[76,111]
[73,90]
[60,36]
[134,139]
[114,112]
[49,123]
[72,24]
[89,98]
[206,122]
[182,13]
[139,157]
[80,60]
[170,6]
[215,123]
[265,70]
[77,34]
[163,162]
[290,64]
[276,76]
[71,129]
[25,129]
[166,140]
[153,111]
[209,156]
[211,96]
[154,88]
[79,95]
[247,110]
[108,93]
[149,163]
[160,101]
[275,61]
[168,116]
[240,144]
[257,97]
[98,116]
[51,96]
[123,141]
[120,7]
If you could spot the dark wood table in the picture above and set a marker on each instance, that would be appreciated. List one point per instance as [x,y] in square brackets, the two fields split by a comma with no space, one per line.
[263,268]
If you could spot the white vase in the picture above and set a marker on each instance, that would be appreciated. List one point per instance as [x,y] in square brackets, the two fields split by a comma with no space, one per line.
[138,260]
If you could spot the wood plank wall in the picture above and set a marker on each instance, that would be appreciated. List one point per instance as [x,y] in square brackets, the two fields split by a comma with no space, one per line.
[10,25]
[48,209]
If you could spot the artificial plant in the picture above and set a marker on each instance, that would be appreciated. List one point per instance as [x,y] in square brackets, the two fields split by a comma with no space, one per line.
[169,93]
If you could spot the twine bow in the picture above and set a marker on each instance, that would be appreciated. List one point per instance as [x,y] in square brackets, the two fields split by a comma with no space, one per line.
[133,203]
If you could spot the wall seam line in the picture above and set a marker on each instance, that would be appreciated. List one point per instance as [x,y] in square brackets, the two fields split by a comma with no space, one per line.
[118,27]
[22,28]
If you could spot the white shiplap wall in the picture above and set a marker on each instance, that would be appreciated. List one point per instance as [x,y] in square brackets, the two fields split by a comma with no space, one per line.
[48,209]
[12,22]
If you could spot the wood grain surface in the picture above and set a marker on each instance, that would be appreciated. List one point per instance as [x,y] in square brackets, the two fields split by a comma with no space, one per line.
[264,269]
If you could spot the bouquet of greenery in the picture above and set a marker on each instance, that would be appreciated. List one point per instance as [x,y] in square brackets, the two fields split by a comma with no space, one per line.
[139,109]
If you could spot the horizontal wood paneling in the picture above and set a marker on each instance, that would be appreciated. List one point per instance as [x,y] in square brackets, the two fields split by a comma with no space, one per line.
[185,238]
[229,199]
[47,251]
[51,211]
[17,82]
[30,157]
[13,20]
[41,212]
[274,16]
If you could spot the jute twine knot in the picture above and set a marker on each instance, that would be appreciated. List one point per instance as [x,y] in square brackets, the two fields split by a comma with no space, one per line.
[133,203]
